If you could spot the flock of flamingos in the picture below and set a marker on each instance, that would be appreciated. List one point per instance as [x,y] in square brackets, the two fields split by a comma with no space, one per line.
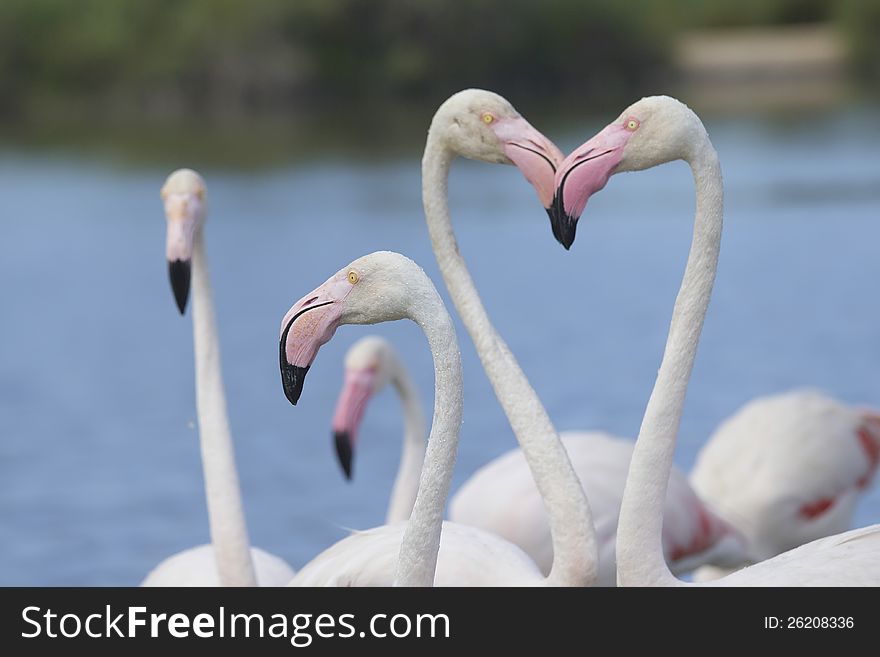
[770,500]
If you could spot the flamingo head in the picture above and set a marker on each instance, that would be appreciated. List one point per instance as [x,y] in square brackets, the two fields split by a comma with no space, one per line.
[183,195]
[378,287]
[368,366]
[649,132]
[482,125]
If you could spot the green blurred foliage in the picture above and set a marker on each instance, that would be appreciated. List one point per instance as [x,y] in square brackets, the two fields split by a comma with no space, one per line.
[860,20]
[165,57]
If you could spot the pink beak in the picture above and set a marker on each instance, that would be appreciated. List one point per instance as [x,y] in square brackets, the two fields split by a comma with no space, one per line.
[532,153]
[309,324]
[357,390]
[582,174]
[180,212]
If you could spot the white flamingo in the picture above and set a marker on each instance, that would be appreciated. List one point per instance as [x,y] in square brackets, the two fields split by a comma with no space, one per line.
[387,286]
[228,560]
[501,497]
[371,363]
[481,125]
[651,132]
[787,469]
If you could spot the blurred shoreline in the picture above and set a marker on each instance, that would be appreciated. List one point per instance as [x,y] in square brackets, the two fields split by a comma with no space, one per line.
[223,119]
[788,67]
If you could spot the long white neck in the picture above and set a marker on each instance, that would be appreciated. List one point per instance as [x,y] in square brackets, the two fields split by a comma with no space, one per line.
[417,562]
[406,485]
[225,513]
[640,560]
[575,553]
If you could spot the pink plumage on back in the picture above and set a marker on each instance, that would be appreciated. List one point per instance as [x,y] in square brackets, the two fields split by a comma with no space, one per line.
[869,438]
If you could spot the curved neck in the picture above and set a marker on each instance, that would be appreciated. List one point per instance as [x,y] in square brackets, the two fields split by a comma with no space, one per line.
[225,513]
[575,554]
[417,562]
[406,485]
[640,560]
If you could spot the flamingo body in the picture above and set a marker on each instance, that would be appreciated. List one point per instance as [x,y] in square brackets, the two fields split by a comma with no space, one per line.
[848,559]
[468,557]
[197,566]
[788,469]
[501,497]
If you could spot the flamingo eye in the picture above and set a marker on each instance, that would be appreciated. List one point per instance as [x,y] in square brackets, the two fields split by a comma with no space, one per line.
[487,118]
[201,193]
[632,125]
[353,277]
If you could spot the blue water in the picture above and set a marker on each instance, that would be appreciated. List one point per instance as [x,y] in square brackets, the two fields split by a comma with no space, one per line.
[99,466]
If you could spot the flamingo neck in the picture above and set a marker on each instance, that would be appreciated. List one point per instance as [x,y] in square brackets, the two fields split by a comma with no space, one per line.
[417,562]
[225,512]
[640,560]
[406,485]
[575,552]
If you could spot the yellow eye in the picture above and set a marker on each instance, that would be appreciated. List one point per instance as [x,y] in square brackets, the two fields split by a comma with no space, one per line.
[632,124]
[353,277]
[488,118]
[201,194]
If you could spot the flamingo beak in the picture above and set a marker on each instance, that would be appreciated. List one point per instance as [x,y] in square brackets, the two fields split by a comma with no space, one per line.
[532,153]
[309,324]
[583,173]
[179,274]
[357,390]
[344,451]
[181,213]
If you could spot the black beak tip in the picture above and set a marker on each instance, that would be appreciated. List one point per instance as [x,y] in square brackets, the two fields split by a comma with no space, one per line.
[563,225]
[292,378]
[343,451]
[567,237]
[179,272]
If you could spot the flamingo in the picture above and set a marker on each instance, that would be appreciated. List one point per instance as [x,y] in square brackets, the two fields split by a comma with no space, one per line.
[787,469]
[481,125]
[502,497]
[371,364]
[228,560]
[507,496]
[651,132]
[425,550]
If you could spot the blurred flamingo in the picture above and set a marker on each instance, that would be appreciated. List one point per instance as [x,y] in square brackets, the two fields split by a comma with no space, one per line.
[228,560]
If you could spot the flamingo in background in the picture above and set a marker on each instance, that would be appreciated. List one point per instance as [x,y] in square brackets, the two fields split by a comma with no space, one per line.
[651,132]
[228,560]
[787,469]
[423,551]
[371,363]
[502,497]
